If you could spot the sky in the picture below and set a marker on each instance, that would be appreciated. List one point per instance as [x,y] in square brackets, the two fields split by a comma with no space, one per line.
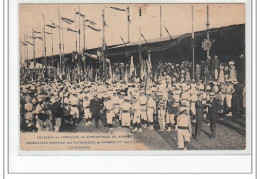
[177,18]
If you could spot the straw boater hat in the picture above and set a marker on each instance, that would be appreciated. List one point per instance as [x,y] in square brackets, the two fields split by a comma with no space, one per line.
[235,81]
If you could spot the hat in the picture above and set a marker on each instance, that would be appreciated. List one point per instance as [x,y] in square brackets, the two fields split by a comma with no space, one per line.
[95,94]
[212,94]
[148,92]
[126,98]
[56,97]
[235,81]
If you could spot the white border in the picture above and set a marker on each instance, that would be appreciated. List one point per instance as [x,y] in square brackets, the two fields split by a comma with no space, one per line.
[239,163]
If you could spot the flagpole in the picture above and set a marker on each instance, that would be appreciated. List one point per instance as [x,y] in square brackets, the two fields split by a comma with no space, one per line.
[160,22]
[24,48]
[79,30]
[104,45]
[128,19]
[62,37]
[207,27]
[193,45]
[84,37]
[140,56]
[59,38]
[34,52]
[84,33]
[76,33]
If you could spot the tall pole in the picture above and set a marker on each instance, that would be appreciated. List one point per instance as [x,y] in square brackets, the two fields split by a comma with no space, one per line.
[24,52]
[45,51]
[193,45]
[34,52]
[76,33]
[59,38]
[62,37]
[139,41]
[51,43]
[207,27]
[160,22]
[104,44]
[84,34]
[128,22]
[79,30]
[21,58]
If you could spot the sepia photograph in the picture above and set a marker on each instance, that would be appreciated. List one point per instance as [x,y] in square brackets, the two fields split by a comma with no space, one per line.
[132,77]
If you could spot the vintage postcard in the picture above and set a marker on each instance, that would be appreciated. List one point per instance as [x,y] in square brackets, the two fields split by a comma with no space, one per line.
[135,77]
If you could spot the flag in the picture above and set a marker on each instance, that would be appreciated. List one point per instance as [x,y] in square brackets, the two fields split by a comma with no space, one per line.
[28,42]
[140,11]
[67,20]
[105,24]
[71,30]
[90,21]
[93,28]
[78,13]
[118,9]
[23,43]
[38,38]
[47,32]
[128,17]
[36,32]
[50,26]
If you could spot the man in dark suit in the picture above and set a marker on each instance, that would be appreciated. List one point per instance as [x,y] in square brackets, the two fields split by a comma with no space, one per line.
[95,109]
[199,115]
[212,113]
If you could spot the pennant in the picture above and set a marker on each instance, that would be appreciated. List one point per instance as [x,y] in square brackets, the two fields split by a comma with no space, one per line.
[90,21]
[93,28]
[118,9]
[67,20]
[105,24]
[50,26]
[78,13]
[23,43]
[71,30]
[47,32]
[38,38]
[28,42]
[36,32]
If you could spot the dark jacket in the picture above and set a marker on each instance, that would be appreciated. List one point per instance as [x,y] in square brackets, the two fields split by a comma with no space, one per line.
[95,106]
[56,109]
[213,110]
[199,109]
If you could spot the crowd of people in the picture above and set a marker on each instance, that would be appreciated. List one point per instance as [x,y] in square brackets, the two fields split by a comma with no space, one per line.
[170,102]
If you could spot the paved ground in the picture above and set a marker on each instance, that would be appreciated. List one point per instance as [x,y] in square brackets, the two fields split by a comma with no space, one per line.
[230,135]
